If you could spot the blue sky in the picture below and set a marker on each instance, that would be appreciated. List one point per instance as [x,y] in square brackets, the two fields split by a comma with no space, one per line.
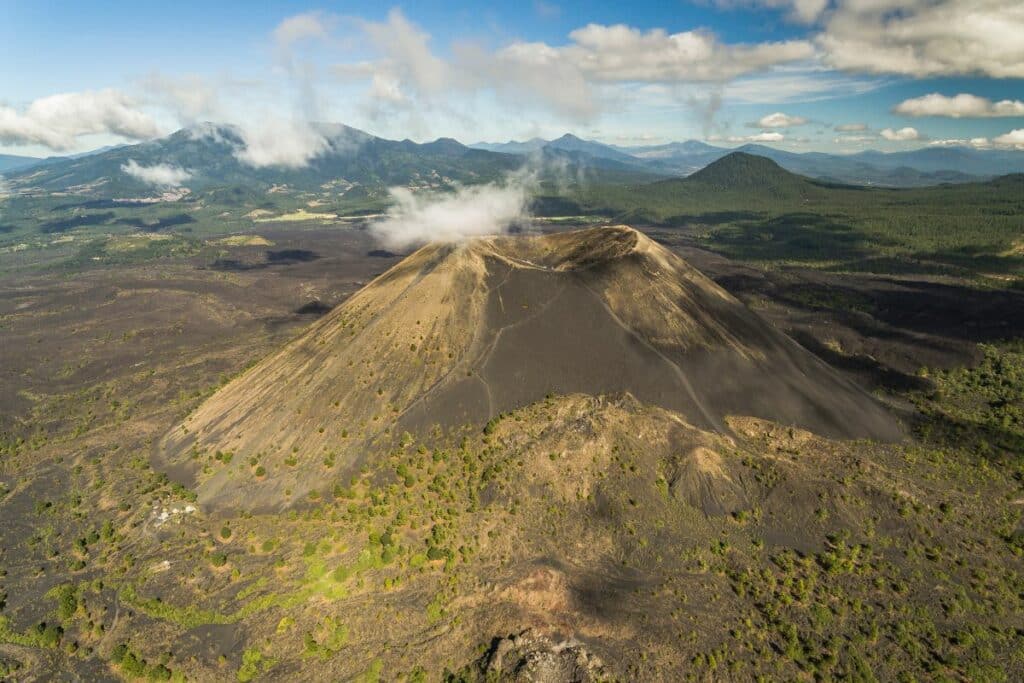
[791,73]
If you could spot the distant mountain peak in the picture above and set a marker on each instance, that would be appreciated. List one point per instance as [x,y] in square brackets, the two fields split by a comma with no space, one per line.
[572,143]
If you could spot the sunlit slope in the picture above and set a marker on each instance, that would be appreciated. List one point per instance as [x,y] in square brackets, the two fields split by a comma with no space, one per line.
[455,335]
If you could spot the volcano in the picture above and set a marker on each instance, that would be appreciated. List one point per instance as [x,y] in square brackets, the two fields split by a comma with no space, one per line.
[457,334]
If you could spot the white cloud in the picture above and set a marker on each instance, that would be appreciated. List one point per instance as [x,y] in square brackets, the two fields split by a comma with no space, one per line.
[532,73]
[851,127]
[59,120]
[925,38]
[306,26]
[959,106]
[571,79]
[977,143]
[800,82]
[288,143]
[854,139]
[407,58]
[759,137]
[271,119]
[470,211]
[780,120]
[158,175]
[622,53]
[1013,139]
[190,96]
[901,135]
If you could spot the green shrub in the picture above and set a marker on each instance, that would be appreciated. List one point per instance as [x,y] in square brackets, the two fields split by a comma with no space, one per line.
[67,601]
[251,661]
[49,635]
[118,653]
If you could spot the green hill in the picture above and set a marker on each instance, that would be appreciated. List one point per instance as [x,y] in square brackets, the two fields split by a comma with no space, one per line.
[740,170]
[744,176]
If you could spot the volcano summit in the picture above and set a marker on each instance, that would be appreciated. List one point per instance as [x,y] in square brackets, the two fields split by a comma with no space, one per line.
[455,335]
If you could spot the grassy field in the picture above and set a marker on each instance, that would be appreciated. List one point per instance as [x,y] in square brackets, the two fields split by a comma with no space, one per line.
[974,230]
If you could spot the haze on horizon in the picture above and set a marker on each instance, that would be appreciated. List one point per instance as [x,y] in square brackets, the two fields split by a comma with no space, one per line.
[836,76]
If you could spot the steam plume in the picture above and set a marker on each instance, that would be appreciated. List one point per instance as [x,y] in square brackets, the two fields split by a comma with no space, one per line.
[469,211]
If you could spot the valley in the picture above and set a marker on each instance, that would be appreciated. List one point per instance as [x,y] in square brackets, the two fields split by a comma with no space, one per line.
[603,523]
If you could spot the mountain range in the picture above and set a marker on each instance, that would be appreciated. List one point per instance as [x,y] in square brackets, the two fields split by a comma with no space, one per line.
[12,162]
[926,166]
[355,164]
[352,164]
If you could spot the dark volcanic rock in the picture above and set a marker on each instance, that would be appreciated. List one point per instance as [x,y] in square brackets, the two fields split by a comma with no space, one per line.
[533,658]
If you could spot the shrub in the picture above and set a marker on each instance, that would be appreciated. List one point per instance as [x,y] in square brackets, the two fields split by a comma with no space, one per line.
[67,601]
[158,672]
[118,653]
[132,665]
[49,634]
[251,660]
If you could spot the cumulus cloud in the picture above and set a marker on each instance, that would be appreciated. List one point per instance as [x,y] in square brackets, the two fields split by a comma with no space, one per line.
[851,127]
[959,106]
[901,135]
[57,121]
[565,78]
[158,175]
[287,143]
[469,211]
[1013,139]
[925,38]
[779,120]
[623,53]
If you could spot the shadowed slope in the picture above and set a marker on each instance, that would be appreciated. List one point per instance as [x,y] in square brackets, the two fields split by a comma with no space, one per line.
[454,335]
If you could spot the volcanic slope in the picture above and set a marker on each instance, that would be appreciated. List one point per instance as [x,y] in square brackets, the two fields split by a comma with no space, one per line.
[455,335]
